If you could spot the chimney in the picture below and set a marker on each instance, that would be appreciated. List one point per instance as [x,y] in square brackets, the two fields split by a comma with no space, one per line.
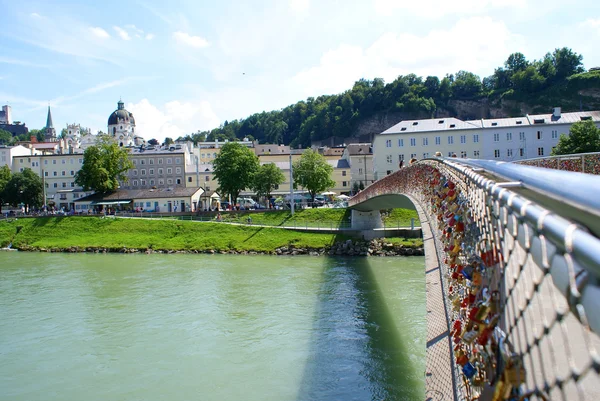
[33,139]
[556,113]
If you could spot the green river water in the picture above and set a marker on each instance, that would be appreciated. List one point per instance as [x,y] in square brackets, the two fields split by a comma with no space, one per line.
[203,327]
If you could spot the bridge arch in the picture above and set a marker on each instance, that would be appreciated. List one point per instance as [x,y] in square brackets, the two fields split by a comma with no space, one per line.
[513,298]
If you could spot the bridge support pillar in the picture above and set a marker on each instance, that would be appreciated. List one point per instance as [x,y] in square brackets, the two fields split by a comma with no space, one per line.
[366,220]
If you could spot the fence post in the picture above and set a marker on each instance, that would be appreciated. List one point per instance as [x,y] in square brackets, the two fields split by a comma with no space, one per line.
[412,223]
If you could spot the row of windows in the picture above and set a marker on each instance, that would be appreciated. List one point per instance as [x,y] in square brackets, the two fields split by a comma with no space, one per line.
[54,161]
[55,173]
[390,159]
[62,185]
[160,171]
[206,178]
[509,152]
[159,161]
[208,155]
[539,135]
[425,141]
[161,181]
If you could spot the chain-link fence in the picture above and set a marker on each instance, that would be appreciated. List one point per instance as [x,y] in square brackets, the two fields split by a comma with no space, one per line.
[520,283]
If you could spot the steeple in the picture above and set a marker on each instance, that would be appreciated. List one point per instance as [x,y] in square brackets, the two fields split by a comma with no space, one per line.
[49,120]
[120,105]
[50,134]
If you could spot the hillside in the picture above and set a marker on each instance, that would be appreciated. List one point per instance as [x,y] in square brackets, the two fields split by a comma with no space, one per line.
[518,87]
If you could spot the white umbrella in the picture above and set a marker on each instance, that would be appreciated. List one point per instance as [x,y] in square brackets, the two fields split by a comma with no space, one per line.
[328,193]
[343,197]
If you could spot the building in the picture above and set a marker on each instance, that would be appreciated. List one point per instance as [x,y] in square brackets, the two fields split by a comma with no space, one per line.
[359,157]
[6,115]
[121,127]
[502,139]
[149,200]
[8,152]
[159,166]
[49,131]
[58,173]
[200,175]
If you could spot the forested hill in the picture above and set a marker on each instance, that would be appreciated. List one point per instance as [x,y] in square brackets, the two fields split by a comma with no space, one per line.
[520,86]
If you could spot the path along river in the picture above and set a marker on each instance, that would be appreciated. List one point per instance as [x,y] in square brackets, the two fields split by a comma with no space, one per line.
[199,327]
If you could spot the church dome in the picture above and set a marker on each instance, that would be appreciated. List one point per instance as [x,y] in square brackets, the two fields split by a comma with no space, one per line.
[121,114]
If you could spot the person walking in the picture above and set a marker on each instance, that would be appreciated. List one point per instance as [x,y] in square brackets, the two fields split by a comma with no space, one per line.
[401,164]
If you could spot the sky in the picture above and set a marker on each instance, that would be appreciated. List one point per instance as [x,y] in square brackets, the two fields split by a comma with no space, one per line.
[184,66]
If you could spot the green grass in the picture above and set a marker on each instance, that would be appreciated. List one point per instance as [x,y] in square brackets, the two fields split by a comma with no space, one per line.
[400,217]
[312,217]
[418,242]
[85,232]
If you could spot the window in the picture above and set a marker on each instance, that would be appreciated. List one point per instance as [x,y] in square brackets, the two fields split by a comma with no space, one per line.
[63,173]
[554,134]
[521,152]
[151,161]
[344,183]
[45,174]
[72,184]
[80,161]
[463,153]
[463,139]
[169,181]
[388,159]
[72,172]
[177,170]
[143,171]
[388,143]
[360,171]
[178,160]
[169,170]
[160,171]
[425,141]
[540,151]
[53,161]
[509,153]
[400,157]
[55,185]
[400,143]
[496,137]
[45,161]
[539,135]
[55,173]
[134,172]
[438,140]
[449,154]
[148,204]
[202,156]
[413,155]
[178,181]
[134,162]
[152,182]
[189,179]
[160,161]
[142,161]
[476,138]
[207,178]
[214,155]
[135,183]
[169,161]
[413,141]
[475,153]
[151,171]
[509,136]
[143,182]
[64,184]
[389,172]
[450,140]
[425,155]
[64,161]
[207,188]
[521,136]
[497,153]
[344,173]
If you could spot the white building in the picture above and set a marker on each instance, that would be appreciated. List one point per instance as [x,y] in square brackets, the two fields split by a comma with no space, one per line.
[503,139]
[8,152]
[360,159]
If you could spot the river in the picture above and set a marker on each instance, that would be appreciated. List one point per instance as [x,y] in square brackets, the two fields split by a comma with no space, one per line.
[210,327]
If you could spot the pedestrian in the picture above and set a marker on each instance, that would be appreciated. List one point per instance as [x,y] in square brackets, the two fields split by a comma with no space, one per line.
[219,217]
[438,154]
[401,164]
[413,160]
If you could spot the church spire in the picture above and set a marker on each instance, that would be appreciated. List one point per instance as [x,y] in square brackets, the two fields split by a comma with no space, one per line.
[49,120]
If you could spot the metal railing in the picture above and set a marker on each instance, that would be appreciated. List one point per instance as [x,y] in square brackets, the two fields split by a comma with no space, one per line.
[581,163]
[520,267]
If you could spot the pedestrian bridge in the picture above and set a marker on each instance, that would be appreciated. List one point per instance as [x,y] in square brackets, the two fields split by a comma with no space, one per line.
[513,260]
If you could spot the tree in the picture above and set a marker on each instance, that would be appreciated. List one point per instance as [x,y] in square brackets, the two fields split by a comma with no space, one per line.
[584,137]
[6,138]
[153,142]
[267,177]
[313,173]
[466,85]
[516,62]
[168,141]
[38,133]
[24,188]
[567,63]
[104,165]
[5,175]
[234,169]
[63,133]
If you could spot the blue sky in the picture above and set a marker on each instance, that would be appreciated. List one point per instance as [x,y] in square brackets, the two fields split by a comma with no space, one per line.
[182,66]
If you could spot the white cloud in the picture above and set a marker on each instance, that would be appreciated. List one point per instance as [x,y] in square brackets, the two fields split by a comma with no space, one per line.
[395,54]
[35,15]
[149,36]
[300,6]
[189,40]
[122,33]
[99,32]
[433,9]
[173,120]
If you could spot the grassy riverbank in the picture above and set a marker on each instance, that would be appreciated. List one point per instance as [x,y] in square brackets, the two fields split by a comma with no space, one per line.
[92,232]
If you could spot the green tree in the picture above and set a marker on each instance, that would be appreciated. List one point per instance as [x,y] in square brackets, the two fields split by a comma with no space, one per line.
[516,62]
[168,141]
[25,187]
[267,178]
[6,138]
[38,133]
[584,137]
[63,133]
[153,142]
[313,173]
[466,85]
[234,169]
[567,62]
[104,165]
[5,175]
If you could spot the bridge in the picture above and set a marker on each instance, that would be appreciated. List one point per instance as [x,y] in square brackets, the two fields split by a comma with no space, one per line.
[512,267]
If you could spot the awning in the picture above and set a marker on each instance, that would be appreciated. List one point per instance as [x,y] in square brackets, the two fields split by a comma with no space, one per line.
[117,202]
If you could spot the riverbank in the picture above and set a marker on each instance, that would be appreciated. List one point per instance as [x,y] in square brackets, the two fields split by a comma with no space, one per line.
[94,234]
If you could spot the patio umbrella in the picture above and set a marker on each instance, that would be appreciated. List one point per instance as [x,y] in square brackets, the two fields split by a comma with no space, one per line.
[343,197]
[328,193]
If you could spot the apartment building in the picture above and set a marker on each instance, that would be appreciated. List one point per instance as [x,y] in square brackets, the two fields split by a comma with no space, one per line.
[359,157]
[8,152]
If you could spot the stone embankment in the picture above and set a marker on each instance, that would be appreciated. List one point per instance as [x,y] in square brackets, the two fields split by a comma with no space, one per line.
[348,248]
